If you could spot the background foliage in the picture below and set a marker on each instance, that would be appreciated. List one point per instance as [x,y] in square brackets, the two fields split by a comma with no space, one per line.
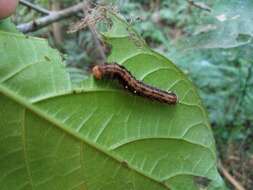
[213,48]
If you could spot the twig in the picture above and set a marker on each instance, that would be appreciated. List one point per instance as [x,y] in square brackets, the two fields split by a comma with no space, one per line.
[248,77]
[94,33]
[200,5]
[35,7]
[243,94]
[230,178]
[57,26]
[49,19]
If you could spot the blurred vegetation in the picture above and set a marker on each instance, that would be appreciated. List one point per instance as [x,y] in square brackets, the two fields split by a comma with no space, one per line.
[213,48]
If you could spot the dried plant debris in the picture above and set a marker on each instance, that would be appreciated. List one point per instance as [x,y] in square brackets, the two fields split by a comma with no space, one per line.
[94,16]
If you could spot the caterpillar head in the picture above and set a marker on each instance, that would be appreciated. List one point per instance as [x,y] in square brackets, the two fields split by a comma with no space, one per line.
[97,72]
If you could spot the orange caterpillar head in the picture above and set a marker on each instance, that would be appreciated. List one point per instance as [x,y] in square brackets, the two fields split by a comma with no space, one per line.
[97,72]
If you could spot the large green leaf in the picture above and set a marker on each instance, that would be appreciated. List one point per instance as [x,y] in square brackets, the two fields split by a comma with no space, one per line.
[60,134]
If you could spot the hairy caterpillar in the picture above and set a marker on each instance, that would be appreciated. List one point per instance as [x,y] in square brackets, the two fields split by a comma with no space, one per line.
[120,73]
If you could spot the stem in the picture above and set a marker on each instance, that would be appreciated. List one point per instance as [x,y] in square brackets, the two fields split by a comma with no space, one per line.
[35,7]
[94,33]
[49,19]
[200,5]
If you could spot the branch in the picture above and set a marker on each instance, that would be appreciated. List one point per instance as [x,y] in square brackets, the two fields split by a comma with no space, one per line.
[200,5]
[244,90]
[54,16]
[35,7]
[86,7]
[230,178]
[248,77]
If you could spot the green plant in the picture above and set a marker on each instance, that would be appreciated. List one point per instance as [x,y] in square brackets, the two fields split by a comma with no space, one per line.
[62,131]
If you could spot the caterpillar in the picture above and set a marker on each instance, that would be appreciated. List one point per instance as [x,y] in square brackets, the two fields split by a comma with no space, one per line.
[120,73]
